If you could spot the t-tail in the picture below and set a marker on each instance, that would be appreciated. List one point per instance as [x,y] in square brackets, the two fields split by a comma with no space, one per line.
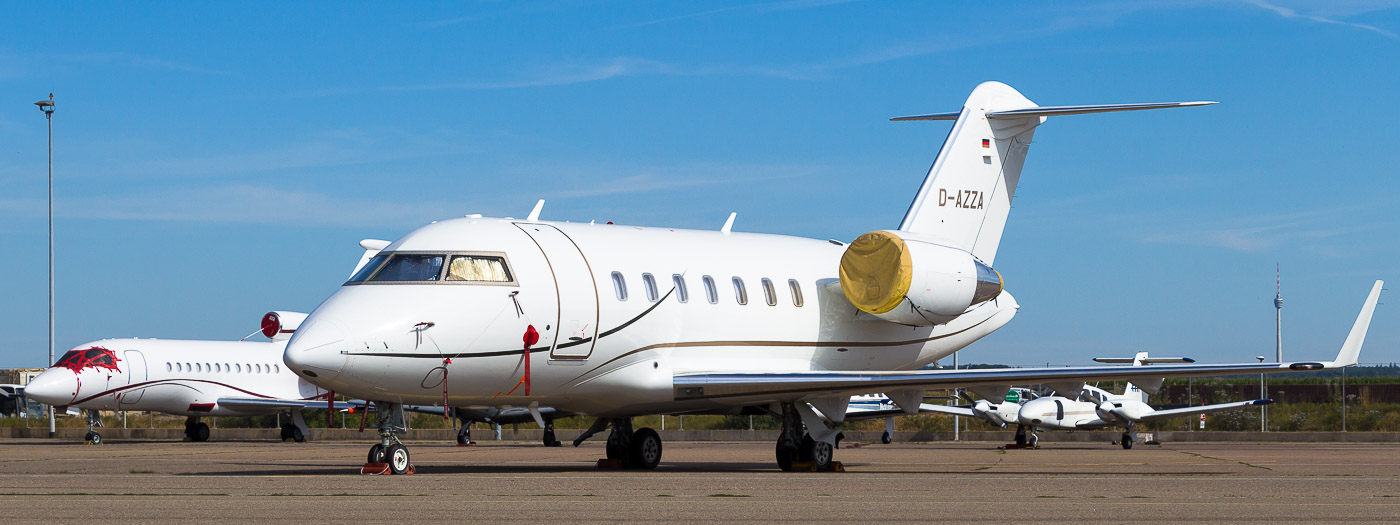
[1142,359]
[967,194]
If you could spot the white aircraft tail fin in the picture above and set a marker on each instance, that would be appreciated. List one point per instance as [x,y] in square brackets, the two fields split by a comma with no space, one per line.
[1351,349]
[967,194]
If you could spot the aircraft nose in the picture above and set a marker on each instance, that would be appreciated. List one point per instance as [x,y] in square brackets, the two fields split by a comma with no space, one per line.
[55,386]
[317,349]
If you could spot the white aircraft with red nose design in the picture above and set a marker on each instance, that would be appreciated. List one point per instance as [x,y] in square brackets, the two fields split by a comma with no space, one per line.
[616,321]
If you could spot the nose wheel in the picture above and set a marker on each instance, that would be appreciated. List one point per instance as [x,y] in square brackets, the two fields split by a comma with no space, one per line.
[389,456]
[94,419]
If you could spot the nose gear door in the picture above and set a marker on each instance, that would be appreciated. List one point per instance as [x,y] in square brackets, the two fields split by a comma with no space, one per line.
[575,290]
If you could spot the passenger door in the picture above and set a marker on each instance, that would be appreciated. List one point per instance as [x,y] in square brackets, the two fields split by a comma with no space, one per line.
[576,292]
[135,374]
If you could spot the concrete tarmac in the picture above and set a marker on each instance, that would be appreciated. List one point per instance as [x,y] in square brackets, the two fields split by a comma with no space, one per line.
[44,481]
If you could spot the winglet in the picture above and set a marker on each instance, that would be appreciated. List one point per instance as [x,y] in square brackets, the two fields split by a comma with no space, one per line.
[1351,349]
[535,213]
[729,223]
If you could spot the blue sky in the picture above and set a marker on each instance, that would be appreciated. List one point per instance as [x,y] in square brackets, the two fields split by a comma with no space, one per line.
[214,162]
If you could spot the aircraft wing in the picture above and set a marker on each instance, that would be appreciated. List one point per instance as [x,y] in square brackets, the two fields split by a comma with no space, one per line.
[757,388]
[273,404]
[924,408]
[1188,411]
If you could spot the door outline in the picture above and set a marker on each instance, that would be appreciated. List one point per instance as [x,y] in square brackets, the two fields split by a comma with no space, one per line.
[559,329]
[133,357]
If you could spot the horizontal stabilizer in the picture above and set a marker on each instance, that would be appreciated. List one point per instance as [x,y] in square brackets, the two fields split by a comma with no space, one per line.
[1050,111]
[1146,361]
[932,116]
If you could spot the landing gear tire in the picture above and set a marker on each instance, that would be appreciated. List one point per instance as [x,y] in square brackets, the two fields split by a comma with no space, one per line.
[398,458]
[462,440]
[819,453]
[549,440]
[886,438]
[376,454]
[1033,440]
[645,449]
[786,457]
[297,436]
[804,448]
[93,437]
[199,433]
[1127,441]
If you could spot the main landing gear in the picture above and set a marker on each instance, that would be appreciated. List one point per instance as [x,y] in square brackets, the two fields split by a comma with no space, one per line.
[196,431]
[94,419]
[639,449]
[796,446]
[389,449]
[1128,438]
[295,429]
[1026,439]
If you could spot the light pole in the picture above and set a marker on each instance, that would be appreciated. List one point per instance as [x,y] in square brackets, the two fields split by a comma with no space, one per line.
[1262,415]
[47,107]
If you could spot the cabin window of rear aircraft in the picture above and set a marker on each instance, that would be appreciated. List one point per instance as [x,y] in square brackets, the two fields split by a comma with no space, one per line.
[740,294]
[649,283]
[681,294]
[796,290]
[711,294]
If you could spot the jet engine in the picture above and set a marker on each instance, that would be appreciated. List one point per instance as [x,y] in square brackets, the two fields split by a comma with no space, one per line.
[279,326]
[914,279]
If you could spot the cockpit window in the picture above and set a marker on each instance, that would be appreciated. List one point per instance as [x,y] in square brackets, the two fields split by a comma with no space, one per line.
[368,269]
[478,268]
[95,357]
[410,267]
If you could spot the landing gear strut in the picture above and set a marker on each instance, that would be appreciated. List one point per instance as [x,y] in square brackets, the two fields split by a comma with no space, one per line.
[815,445]
[94,419]
[790,439]
[549,440]
[389,449]
[1129,437]
[295,428]
[464,433]
[196,431]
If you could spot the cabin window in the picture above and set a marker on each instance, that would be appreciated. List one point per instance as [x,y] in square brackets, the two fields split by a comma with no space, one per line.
[478,268]
[740,294]
[681,294]
[619,286]
[276,369]
[167,366]
[796,290]
[237,368]
[769,294]
[410,267]
[368,269]
[259,365]
[649,283]
[711,294]
[188,367]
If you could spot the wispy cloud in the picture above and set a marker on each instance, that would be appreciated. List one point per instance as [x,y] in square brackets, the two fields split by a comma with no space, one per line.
[767,7]
[325,149]
[1287,12]
[124,59]
[1255,234]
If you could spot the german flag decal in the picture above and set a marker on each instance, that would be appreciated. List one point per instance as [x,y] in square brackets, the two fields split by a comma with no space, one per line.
[986,143]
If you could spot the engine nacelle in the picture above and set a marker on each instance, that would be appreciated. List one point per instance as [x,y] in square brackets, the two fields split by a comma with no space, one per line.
[914,279]
[279,326]
[989,412]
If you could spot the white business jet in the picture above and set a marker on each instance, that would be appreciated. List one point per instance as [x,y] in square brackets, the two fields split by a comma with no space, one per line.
[182,377]
[621,321]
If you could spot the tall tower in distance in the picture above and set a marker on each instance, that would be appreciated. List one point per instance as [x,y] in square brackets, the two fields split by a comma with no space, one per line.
[1278,309]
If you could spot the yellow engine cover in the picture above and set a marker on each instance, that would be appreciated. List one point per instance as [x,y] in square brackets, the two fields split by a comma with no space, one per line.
[876,272]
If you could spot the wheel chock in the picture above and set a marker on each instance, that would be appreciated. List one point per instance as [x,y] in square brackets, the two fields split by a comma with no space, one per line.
[807,466]
[466,444]
[382,469]
[836,466]
[610,463]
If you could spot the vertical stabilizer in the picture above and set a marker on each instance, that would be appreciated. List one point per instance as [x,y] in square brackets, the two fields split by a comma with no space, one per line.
[967,193]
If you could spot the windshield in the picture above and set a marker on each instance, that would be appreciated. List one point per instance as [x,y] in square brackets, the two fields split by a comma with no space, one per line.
[410,267]
[478,268]
[95,357]
[368,269]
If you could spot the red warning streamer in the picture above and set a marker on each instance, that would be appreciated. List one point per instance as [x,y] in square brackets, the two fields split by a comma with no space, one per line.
[531,337]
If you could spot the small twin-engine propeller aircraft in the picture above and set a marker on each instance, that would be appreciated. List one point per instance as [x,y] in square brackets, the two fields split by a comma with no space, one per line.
[182,377]
[617,321]
[1091,408]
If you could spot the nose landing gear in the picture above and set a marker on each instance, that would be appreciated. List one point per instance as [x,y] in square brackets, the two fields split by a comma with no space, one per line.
[94,419]
[389,456]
